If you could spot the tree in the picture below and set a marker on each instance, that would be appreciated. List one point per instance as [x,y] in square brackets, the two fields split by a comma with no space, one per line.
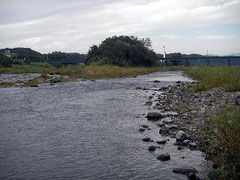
[123,51]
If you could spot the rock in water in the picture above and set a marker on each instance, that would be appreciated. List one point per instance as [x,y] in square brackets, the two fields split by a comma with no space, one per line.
[147,139]
[181,136]
[141,130]
[237,100]
[154,116]
[184,171]
[164,157]
[152,148]
[192,176]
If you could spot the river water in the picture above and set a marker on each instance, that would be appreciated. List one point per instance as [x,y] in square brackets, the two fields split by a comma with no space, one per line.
[86,130]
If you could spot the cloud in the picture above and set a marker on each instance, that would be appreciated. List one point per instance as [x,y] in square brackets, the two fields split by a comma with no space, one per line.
[216,37]
[75,25]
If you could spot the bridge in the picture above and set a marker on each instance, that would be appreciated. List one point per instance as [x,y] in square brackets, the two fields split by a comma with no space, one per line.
[203,60]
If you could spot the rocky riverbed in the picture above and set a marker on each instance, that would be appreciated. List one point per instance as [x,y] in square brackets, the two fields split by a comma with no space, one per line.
[180,113]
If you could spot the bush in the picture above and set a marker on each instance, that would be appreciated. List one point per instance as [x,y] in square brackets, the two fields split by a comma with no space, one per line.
[123,51]
[5,61]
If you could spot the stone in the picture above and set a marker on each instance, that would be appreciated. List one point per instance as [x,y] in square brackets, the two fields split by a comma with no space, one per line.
[154,116]
[186,142]
[145,126]
[192,145]
[168,121]
[147,139]
[156,81]
[192,176]
[178,82]
[164,157]
[237,100]
[181,136]
[148,103]
[164,131]
[141,130]
[184,171]
[152,148]
[179,148]
[138,88]
[162,142]
[172,127]
[160,124]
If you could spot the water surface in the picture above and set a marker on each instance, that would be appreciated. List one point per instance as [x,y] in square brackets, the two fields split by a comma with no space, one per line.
[86,130]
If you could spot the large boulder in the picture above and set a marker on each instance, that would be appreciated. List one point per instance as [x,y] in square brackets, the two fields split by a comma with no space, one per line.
[181,136]
[154,116]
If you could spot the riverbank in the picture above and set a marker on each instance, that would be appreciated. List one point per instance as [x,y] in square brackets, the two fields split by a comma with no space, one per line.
[48,74]
[208,117]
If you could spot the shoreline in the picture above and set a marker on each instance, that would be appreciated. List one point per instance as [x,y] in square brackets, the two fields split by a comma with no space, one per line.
[193,109]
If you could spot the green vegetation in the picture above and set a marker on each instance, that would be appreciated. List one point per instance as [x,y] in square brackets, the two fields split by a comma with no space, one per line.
[6,84]
[210,77]
[123,51]
[5,61]
[32,83]
[183,107]
[223,131]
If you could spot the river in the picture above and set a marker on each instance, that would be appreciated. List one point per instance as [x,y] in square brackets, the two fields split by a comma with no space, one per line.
[87,130]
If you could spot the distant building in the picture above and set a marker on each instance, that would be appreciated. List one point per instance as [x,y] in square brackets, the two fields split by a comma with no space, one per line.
[9,54]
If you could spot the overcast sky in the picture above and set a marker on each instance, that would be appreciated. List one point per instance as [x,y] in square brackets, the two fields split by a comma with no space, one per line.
[187,26]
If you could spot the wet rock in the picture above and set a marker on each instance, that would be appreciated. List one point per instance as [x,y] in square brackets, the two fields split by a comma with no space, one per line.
[181,136]
[178,82]
[154,116]
[145,126]
[172,127]
[237,100]
[186,142]
[164,131]
[148,129]
[179,148]
[148,103]
[147,139]
[141,130]
[184,171]
[145,89]
[138,88]
[162,142]
[152,148]
[192,176]
[160,124]
[168,121]
[192,145]
[156,81]
[164,157]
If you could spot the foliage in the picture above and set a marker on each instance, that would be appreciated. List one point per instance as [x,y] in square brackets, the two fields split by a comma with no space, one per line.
[5,61]
[224,134]
[210,77]
[67,56]
[122,51]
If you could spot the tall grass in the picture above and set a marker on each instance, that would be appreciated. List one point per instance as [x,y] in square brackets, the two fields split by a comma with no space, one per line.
[78,71]
[210,77]
[224,134]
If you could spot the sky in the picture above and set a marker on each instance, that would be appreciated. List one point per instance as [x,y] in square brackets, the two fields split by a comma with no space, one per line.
[186,26]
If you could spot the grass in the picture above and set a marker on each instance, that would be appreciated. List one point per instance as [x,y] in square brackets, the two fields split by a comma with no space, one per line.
[78,71]
[183,107]
[32,83]
[210,77]
[6,84]
[223,131]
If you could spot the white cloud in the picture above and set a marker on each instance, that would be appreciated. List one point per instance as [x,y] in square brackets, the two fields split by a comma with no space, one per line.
[76,25]
[216,37]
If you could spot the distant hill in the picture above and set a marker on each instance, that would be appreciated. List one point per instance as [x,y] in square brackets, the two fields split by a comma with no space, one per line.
[235,54]
[23,53]
[29,54]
